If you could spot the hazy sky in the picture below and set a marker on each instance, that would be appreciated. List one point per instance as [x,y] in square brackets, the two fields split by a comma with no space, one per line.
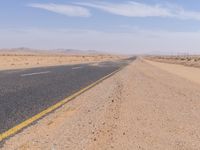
[133,26]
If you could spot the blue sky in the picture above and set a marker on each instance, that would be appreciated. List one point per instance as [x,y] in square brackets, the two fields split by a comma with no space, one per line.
[133,26]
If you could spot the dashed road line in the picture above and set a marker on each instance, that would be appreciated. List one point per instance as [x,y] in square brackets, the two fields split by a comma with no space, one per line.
[35,73]
[29,121]
[77,68]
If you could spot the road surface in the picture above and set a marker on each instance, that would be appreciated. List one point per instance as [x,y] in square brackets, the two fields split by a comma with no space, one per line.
[26,92]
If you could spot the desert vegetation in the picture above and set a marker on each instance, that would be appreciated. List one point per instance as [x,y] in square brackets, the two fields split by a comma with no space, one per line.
[188,60]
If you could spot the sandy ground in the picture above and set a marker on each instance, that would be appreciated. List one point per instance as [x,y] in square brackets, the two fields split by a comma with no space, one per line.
[17,61]
[190,73]
[187,60]
[143,107]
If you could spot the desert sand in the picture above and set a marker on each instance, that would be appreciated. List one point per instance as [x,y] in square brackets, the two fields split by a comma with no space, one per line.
[24,60]
[190,73]
[143,107]
[187,60]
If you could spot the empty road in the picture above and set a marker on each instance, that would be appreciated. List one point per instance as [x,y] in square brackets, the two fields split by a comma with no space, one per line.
[26,92]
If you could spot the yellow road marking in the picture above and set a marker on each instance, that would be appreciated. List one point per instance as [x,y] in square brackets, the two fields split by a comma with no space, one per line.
[27,122]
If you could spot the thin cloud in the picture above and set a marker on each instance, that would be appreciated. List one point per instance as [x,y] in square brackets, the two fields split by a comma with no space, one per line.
[68,10]
[136,9]
[165,42]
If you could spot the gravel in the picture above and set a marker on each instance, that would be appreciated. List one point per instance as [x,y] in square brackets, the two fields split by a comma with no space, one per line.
[141,107]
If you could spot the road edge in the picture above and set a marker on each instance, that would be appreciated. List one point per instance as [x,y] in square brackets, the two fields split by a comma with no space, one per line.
[16,129]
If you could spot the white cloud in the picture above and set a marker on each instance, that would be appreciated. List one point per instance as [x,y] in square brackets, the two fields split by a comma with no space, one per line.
[136,9]
[68,10]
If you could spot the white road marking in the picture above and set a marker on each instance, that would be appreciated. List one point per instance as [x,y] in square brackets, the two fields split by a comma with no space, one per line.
[76,68]
[35,73]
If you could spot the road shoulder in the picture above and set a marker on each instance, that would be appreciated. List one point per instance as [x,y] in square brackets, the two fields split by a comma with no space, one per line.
[141,107]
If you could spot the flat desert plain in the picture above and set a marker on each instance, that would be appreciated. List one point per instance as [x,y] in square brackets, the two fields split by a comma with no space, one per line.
[27,60]
[187,60]
[145,106]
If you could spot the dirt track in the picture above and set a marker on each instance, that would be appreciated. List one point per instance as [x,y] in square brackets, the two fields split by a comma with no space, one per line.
[141,107]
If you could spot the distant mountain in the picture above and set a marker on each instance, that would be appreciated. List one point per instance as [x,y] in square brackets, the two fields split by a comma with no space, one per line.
[21,50]
[76,52]
[24,50]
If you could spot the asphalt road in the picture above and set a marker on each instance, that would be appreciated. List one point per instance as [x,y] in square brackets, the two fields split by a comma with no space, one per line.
[26,92]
